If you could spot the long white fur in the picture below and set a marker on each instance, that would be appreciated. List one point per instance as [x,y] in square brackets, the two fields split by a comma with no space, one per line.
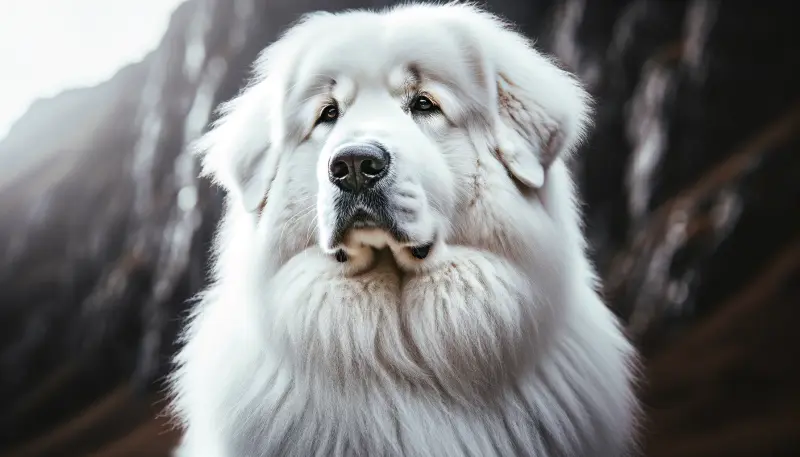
[496,344]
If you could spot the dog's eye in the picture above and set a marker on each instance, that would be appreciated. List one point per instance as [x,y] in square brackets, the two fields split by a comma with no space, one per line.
[329,114]
[422,103]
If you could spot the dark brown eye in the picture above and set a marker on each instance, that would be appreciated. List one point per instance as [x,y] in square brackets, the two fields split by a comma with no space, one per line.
[329,114]
[422,103]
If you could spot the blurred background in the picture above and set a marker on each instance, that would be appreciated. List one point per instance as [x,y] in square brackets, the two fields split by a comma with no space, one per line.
[691,179]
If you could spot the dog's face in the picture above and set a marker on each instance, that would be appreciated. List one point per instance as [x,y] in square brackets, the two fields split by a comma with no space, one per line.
[389,139]
[374,130]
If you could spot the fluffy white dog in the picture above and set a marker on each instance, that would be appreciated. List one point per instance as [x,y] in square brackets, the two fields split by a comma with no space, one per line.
[401,270]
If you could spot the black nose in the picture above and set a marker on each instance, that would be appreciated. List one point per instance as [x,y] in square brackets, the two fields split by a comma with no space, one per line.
[356,167]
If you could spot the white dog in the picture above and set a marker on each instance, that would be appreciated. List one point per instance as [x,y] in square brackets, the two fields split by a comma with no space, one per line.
[400,270]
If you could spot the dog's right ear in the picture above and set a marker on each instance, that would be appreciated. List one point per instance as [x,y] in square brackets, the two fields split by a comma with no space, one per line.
[238,152]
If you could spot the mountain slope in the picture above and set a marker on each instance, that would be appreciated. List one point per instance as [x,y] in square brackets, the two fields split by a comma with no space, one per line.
[691,178]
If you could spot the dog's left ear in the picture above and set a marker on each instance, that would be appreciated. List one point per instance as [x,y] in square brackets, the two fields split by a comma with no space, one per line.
[528,140]
[540,111]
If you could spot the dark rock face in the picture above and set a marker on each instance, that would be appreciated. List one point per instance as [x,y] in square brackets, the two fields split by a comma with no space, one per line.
[691,179]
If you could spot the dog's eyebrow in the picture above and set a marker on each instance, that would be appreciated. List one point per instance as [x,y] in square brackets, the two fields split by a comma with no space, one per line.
[319,84]
[418,73]
[412,81]
[414,74]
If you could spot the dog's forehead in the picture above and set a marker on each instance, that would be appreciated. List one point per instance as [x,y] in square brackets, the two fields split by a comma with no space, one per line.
[397,81]
[387,53]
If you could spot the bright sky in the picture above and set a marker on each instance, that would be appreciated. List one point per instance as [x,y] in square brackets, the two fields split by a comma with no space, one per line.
[47,46]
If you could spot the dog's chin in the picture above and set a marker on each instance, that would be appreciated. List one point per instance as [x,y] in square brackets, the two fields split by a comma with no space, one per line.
[363,239]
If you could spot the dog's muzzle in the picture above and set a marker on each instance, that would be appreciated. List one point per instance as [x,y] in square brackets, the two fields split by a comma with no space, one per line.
[362,174]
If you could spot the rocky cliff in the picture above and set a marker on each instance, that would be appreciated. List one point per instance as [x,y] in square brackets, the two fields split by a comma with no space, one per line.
[691,179]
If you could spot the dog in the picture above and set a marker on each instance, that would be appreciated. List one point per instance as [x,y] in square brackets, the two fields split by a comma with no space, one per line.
[401,269]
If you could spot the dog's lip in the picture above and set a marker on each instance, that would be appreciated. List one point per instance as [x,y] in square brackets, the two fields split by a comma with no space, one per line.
[361,219]
[360,233]
[419,252]
[355,238]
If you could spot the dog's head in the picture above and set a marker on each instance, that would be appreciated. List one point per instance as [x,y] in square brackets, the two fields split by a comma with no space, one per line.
[406,128]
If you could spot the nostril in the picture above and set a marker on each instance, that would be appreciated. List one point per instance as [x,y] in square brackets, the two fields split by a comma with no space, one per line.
[339,169]
[372,167]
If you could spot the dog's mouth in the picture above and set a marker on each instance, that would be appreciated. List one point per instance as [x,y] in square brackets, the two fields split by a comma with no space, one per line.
[354,224]
[367,223]
[418,252]
[376,230]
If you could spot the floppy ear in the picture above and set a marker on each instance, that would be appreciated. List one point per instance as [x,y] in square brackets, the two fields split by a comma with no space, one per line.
[540,111]
[527,139]
[238,153]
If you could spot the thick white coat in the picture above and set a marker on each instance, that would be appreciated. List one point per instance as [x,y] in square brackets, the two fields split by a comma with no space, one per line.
[496,344]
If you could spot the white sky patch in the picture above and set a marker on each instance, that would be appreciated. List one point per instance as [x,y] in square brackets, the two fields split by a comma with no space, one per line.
[47,46]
